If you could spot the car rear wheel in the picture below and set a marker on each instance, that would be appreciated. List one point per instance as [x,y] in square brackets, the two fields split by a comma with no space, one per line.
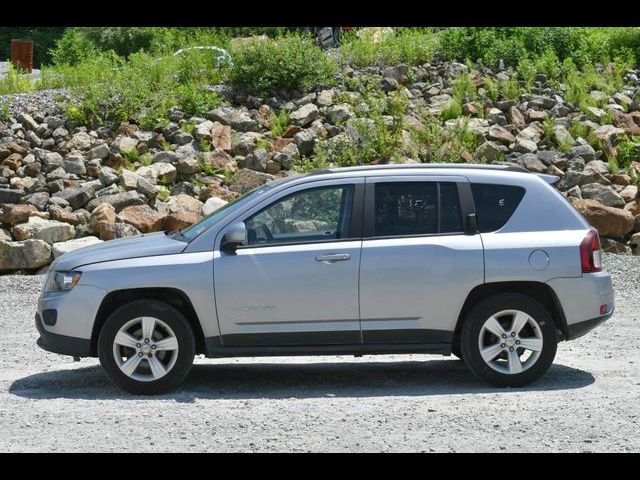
[509,340]
[147,347]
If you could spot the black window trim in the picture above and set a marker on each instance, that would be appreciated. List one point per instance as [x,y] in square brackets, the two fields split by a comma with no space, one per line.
[465,198]
[355,228]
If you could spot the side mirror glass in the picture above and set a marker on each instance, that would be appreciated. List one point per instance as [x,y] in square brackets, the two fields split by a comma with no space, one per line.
[235,236]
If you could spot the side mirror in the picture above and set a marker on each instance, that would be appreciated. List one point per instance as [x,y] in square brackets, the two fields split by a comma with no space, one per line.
[235,236]
[471,224]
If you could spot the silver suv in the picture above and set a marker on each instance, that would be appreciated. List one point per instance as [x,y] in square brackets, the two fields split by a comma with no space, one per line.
[489,263]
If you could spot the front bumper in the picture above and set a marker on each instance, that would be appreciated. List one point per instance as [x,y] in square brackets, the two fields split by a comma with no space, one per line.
[51,342]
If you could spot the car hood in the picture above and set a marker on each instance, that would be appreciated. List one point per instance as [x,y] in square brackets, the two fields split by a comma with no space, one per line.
[121,249]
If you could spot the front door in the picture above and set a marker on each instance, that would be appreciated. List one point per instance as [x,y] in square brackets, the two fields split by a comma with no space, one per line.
[417,265]
[295,282]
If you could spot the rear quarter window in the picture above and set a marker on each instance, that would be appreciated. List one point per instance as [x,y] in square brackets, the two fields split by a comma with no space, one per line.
[495,204]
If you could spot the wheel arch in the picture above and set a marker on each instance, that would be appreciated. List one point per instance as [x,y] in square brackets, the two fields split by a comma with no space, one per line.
[172,296]
[537,290]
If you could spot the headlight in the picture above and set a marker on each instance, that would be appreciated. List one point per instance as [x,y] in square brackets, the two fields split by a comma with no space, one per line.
[61,281]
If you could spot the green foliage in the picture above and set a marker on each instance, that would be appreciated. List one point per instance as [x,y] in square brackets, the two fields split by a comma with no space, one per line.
[145,160]
[163,193]
[205,145]
[279,123]
[452,110]
[628,151]
[549,134]
[286,63]
[15,82]
[492,88]
[72,48]
[443,145]
[404,45]
[206,168]
[195,99]
[511,89]
[463,88]
[5,114]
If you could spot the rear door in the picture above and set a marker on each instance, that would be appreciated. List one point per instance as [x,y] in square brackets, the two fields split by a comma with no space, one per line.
[417,263]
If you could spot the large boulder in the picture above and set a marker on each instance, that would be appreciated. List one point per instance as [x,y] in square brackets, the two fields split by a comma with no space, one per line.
[179,203]
[16,213]
[28,254]
[246,180]
[61,248]
[235,118]
[142,217]
[610,221]
[10,195]
[50,231]
[603,194]
[304,115]
[212,204]
[119,201]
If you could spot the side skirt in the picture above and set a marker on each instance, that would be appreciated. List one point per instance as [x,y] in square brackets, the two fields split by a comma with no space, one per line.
[427,341]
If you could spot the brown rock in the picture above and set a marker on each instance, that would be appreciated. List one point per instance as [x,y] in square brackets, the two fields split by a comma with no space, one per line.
[15,148]
[633,207]
[610,221]
[626,121]
[536,116]
[17,213]
[277,144]
[32,169]
[515,117]
[264,116]
[143,217]
[217,190]
[13,161]
[180,219]
[62,215]
[221,136]
[103,214]
[222,160]
[501,134]
[621,179]
[470,109]
[111,231]
[291,130]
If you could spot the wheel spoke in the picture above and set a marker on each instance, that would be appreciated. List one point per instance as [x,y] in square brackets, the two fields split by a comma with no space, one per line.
[130,365]
[520,319]
[148,326]
[169,343]
[515,366]
[534,344]
[494,327]
[157,369]
[126,340]
[491,352]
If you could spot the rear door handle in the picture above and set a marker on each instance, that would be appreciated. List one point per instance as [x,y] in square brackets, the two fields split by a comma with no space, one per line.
[333,257]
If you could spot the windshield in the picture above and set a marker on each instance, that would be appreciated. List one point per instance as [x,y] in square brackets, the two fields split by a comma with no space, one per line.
[197,228]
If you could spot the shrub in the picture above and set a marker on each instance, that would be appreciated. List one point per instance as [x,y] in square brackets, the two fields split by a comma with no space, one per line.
[405,45]
[15,82]
[279,123]
[491,88]
[286,63]
[628,151]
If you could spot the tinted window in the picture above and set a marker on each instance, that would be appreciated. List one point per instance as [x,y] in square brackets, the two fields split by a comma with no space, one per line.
[310,215]
[450,214]
[405,209]
[495,204]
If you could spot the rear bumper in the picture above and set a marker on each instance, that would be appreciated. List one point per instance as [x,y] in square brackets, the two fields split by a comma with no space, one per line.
[585,301]
[62,344]
[577,330]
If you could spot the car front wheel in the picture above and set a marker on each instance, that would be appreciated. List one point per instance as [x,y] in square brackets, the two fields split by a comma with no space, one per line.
[146,347]
[509,340]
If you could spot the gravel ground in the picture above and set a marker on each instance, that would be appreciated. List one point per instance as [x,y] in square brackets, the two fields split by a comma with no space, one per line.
[588,401]
[39,100]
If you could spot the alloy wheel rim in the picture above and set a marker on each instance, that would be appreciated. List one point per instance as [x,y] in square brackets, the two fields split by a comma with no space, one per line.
[510,341]
[145,349]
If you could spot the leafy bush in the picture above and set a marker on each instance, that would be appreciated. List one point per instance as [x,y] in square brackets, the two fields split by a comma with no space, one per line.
[14,82]
[286,63]
[279,123]
[628,151]
[404,45]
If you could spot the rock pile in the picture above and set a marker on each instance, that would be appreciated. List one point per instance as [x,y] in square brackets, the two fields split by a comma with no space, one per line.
[63,185]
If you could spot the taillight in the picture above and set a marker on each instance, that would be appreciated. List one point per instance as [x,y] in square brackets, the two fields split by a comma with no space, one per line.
[591,253]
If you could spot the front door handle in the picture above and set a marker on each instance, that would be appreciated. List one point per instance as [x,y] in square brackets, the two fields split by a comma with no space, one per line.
[333,257]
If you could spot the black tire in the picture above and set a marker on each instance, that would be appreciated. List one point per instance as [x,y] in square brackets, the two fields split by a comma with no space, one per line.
[169,315]
[474,322]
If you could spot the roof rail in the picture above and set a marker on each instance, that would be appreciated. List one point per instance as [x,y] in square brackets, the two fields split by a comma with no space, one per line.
[393,166]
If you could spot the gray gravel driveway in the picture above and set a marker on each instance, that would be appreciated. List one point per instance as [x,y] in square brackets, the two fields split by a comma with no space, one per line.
[588,401]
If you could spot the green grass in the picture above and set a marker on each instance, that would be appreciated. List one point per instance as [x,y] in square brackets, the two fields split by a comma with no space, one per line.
[279,123]
[15,82]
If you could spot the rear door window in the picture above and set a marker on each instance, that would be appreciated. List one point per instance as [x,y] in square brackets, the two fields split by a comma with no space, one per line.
[495,204]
